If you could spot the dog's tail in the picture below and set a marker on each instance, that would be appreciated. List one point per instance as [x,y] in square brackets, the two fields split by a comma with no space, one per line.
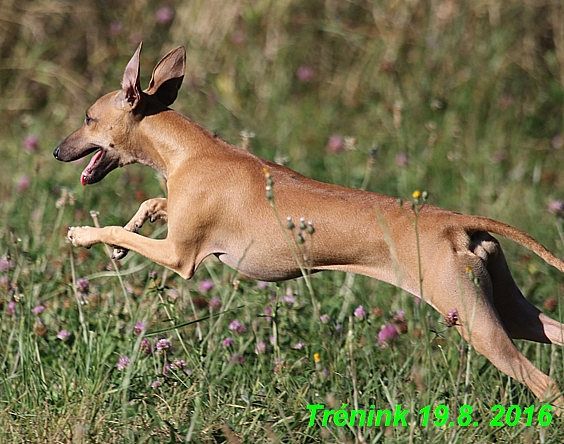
[480,223]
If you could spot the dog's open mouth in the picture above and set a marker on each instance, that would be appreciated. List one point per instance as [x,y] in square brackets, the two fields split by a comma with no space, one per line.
[88,174]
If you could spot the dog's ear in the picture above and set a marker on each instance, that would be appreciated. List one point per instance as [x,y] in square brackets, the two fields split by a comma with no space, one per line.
[130,94]
[167,76]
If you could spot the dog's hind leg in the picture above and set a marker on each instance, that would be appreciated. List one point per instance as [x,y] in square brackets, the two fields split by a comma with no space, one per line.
[521,319]
[462,282]
[153,210]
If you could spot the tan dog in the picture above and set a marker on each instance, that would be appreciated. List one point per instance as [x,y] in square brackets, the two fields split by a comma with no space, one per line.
[217,204]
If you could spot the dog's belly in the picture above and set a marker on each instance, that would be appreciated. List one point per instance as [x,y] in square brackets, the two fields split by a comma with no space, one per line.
[269,270]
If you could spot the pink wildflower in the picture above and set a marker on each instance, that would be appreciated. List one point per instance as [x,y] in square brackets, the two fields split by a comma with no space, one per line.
[556,207]
[31,143]
[227,342]
[215,303]
[123,363]
[261,347]
[359,312]
[23,183]
[116,28]
[305,73]
[139,328]
[6,264]
[236,327]
[82,284]
[402,160]
[289,299]
[387,334]
[63,335]
[38,310]
[145,347]
[163,344]
[178,364]
[335,145]
[451,319]
[164,15]
[236,357]
[206,285]
[11,308]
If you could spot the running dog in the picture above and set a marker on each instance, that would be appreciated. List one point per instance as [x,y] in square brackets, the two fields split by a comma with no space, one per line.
[223,200]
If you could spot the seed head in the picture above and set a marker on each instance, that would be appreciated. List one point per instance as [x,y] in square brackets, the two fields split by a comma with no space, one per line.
[290,225]
[310,228]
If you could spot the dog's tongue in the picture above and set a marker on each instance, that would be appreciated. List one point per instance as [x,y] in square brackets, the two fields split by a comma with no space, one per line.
[88,170]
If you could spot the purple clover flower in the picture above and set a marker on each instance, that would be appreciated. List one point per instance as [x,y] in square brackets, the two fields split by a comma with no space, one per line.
[178,364]
[123,363]
[556,207]
[215,303]
[6,264]
[139,327]
[359,312]
[451,319]
[163,344]
[30,143]
[83,284]
[227,342]
[206,285]
[63,335]
[236,327]
[260,348]
[164,15]
[145,347]
[38,310]
[387,334]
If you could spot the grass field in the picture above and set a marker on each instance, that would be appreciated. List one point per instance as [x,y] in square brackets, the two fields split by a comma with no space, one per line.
[462,99]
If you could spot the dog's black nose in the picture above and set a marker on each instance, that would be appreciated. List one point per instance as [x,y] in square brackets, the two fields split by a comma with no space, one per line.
[56,153]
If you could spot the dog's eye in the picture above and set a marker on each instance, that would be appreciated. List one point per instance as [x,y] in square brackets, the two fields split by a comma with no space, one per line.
[88,119]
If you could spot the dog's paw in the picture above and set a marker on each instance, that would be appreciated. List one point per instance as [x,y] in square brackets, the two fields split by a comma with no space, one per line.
[82,236]
[119,253]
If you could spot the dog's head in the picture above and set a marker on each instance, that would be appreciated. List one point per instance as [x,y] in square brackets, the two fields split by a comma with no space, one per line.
[109,125]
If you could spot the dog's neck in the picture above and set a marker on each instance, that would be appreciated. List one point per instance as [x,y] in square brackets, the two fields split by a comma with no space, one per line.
[167,140]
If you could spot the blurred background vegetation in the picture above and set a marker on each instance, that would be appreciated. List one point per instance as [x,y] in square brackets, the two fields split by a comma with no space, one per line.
[463,99]
[452,94]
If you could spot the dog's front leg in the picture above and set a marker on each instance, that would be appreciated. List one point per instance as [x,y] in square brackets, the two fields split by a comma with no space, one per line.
[153,210]
[161,251]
